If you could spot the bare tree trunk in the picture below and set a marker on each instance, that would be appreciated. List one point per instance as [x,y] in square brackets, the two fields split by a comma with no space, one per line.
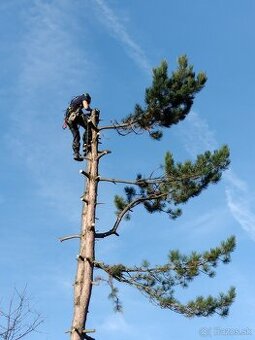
[85,266]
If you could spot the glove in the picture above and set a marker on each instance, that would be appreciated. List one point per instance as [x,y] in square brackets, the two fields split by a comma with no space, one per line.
[64,126]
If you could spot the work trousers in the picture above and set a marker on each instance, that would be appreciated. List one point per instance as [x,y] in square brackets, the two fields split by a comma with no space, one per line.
[80,120]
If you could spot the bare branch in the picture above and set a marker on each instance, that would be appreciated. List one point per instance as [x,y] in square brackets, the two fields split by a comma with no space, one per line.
[84,173]
[136,182]
[115,180]
[128,127]
[103,153]
[113,230]
[115,126]
[155,180]
[20,319]
[65,238]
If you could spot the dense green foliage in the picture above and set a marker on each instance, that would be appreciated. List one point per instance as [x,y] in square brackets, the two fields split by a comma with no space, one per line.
[177,184]
[169,99]
[159,283]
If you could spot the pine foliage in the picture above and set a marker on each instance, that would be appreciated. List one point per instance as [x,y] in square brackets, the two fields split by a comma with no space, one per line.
[178,183]
[168,100]
[159,283]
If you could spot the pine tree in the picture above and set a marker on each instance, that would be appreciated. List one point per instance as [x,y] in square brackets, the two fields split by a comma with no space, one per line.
[167,102]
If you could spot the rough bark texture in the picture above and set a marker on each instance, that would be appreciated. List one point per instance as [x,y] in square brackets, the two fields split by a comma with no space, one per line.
[85,259]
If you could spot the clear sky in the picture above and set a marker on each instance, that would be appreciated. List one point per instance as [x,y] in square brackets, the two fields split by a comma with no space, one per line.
[52,50]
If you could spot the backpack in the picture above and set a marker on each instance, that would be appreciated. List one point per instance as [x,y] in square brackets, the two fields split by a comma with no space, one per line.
[76,102]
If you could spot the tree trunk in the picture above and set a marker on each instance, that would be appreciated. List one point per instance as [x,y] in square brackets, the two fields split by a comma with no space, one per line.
[85,259]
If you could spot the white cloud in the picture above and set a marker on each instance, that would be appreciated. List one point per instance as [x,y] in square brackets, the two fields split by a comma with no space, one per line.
[51,64]
[210,221]
[117,29]
[235,181]
[238,203]
[197,138]
[52,59]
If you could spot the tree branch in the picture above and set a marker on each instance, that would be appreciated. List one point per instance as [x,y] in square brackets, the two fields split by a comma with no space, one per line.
[84,173]
[115,180]
[103,153]
[65,238]
[116,126]
[136,182]
[157,283]
[160,179]
[113,230]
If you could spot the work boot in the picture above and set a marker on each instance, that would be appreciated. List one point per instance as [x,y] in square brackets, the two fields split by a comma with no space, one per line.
[77,157]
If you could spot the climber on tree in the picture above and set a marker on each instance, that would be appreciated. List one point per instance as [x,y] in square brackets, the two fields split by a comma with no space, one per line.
[74,118]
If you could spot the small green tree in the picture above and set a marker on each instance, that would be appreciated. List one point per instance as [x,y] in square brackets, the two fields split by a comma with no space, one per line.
[167,102]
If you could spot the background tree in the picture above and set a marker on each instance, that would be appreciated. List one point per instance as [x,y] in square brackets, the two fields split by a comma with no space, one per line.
[19,319]
[167,102]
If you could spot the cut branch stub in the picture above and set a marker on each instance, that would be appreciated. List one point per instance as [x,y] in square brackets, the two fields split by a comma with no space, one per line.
[84,173]
[69,237]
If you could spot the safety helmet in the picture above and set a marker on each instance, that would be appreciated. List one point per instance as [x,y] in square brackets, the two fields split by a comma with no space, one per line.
[87,97]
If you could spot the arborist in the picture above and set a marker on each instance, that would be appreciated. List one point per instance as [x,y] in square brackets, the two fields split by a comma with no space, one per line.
[74,118]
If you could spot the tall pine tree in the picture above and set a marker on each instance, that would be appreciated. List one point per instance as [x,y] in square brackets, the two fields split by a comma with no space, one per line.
[167,102]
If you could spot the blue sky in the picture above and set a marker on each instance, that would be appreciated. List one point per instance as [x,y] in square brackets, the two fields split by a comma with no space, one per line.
[52,50]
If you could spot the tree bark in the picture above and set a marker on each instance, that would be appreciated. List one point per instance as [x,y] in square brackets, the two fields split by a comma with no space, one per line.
[86,256]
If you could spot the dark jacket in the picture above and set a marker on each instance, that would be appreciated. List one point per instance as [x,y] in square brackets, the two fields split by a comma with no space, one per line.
[76,102]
